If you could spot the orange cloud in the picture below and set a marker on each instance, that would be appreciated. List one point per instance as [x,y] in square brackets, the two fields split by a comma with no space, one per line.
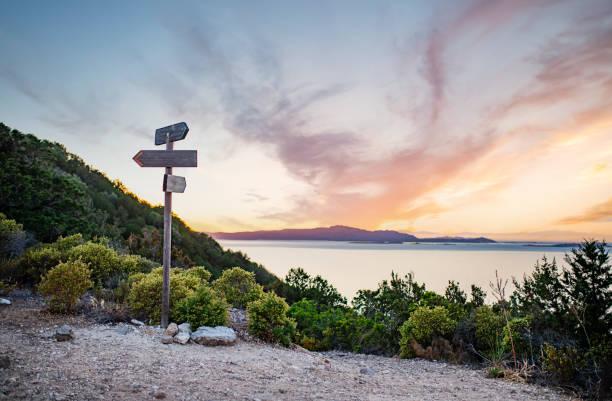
[598,213]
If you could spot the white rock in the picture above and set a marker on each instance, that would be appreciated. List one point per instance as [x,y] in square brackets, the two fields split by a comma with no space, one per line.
[136,322]
[219,335]
[4,301]
[167,339]
[182,337]
[184,328]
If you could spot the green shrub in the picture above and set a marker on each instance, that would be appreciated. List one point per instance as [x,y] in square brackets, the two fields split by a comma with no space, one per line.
[65,284]
[203,308]
[64,244]
[518,331]
[423,326]
[13,239]
[561,363]
[200,272]
[37,262]
[268,319]
[146,292]
[238,286]
[103,261]
[135,263]
[301,285]
[488,329]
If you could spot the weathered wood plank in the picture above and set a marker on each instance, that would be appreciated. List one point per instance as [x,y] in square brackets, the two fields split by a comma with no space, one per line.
[173,133]
[167,158]
[174,183]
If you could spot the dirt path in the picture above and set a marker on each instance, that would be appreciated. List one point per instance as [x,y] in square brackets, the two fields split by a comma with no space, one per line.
[102,364]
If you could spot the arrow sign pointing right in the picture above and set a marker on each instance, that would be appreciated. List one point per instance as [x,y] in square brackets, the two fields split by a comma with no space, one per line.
[167,158]
[174,132]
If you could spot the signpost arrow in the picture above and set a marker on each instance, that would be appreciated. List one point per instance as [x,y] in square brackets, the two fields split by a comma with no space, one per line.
[172,183]
[175,132]
[167,158]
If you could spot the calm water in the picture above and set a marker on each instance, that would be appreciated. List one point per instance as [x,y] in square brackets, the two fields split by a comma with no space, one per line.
[351,267]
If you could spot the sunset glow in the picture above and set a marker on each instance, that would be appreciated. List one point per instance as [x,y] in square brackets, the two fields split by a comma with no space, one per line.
[457,118]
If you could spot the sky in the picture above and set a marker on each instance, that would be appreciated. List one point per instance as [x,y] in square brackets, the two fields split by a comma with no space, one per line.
[431,117]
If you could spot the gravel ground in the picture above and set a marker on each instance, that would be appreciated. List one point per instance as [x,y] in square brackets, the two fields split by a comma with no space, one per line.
[102,364]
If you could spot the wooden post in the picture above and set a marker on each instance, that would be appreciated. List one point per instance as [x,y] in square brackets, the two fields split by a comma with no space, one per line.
[165,311]
[168,158]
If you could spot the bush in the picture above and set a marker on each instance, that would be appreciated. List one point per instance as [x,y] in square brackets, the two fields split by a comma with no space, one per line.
[423,326]
[37,262]
[103,261]
[238,286]
[200,272]
[203,308]
[146,292]
[13,239]
[488,329]
[300,285]
[268,319]
[561,363]
[65,284]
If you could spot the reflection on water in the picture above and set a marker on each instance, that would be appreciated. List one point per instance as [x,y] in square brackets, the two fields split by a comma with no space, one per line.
[352,266]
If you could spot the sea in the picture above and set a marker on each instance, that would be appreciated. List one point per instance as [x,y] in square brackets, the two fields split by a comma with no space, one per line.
[354,266]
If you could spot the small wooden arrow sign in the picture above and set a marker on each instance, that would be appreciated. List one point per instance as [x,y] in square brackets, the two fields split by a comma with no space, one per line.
[174,132]
[174,183]
[167,158]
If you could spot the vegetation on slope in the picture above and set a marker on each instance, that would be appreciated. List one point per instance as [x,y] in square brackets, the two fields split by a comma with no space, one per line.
[53,193]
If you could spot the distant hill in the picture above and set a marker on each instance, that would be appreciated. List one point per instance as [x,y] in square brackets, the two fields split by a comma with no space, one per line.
[339,233]
[54,193]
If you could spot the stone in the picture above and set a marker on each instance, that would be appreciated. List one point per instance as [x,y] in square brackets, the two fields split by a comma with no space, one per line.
[4,301]
[171,330]
[219,335]
[64,333]
[184,328]
[137,322]
[366,371]
[5,362]
[182,337]
[167,339]
[160,395]
[124,329]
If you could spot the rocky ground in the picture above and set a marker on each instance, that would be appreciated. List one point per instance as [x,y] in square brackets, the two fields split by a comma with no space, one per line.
[105,362]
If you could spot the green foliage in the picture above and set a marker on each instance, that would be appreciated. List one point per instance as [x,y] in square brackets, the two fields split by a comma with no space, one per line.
[518,332]
[203,308]
[477,296]
[200,272]
[322,329]
[423,326]
[59,195]
[562,363]
[65,284]
[268,319]
[390,305]
[454,294]
[238,286]
[300,285]
[489,328]
[103,261]
[13,239]
[146,292]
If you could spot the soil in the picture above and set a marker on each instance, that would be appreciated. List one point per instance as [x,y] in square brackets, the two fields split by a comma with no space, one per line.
[100,363]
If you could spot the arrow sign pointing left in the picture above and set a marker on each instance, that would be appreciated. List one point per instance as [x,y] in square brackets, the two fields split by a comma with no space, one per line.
[167,158]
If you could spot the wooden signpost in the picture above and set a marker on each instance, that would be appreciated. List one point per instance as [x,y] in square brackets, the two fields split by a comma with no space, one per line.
[172,183]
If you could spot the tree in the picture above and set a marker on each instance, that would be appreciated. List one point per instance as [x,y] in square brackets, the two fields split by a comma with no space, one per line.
[300,285]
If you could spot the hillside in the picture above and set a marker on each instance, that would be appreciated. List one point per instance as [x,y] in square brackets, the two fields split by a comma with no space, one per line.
[55,193]
[339,233]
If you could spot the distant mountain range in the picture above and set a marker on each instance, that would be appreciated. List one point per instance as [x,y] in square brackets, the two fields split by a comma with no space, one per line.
[339,233]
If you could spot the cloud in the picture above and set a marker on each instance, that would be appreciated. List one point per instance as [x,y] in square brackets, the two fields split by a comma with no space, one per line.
[259,105]
[597,214]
